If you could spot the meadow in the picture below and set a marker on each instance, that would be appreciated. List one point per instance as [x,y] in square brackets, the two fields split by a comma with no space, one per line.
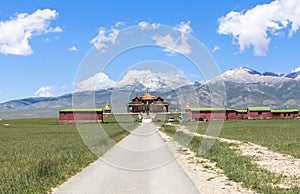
[39,154]
[278,135]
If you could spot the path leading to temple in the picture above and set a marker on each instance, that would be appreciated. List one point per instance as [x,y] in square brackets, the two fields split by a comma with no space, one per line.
[141,163]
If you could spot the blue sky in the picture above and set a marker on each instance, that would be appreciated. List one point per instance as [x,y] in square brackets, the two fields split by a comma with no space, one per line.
[42,43]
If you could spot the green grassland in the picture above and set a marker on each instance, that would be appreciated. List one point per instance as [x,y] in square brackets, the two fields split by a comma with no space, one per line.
[278,135]
[39,154]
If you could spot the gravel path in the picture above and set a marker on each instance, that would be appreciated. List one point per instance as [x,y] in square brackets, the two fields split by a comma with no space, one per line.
[207,177]
[283,164]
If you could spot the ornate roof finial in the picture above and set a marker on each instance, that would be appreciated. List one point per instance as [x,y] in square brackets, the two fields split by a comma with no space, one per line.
[107,107]
[188,106]
[147,91]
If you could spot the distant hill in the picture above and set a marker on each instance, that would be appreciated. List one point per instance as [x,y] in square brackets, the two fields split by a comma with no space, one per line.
[244,87]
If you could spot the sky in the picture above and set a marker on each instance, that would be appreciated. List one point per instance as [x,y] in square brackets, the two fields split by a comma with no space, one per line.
[43,44]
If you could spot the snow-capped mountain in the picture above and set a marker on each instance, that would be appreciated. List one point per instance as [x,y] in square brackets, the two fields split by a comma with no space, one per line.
[243,87]
[247,75]
[147,79]
[139,79]
[293,75]
[246,87]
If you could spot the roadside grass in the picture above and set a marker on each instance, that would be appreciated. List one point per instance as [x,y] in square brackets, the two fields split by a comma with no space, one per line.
[279,135]
[39,154]
[236,167]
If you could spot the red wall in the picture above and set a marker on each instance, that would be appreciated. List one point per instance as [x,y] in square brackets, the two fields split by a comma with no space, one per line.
[80,116]
[264,115]
[208,115]
[231,115]
[241,115]
[284,115]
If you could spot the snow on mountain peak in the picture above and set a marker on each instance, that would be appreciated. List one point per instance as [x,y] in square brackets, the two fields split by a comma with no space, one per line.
[152,80]
[296,70]
[241,70]
[246,75]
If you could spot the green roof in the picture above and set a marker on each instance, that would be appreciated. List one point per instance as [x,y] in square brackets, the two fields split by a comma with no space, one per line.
[158,102]
[259,108]
[241,111]
[135,103]
[82,110]
[210,109]
[284,111]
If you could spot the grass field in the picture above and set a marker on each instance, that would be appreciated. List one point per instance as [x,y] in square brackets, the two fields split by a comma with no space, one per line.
[38,154]
[279,135]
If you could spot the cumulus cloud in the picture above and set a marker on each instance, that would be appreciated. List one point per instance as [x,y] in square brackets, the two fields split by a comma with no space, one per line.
[73,48]
[296,70]
[147,26]
[44,91]
[16,32]
[173,44]
[106,36]
[97,81]
[253,27]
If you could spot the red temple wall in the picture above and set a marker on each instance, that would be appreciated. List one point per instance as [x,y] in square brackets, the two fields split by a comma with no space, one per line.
[80,116]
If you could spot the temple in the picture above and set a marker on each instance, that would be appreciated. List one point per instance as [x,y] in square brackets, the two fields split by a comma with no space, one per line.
[147,104]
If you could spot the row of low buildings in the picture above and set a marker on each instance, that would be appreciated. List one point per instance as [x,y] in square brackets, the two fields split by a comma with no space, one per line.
[151,104]
[263,112]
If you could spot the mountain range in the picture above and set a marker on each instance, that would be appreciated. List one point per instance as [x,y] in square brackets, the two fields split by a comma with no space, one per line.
[243,87]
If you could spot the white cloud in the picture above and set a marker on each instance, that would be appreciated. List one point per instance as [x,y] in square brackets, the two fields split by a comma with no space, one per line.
[16,32]
[216,48]
[184,28]
[120,24]
[73,48]
[296,70]
[56,29]
[147,26]
[44,91]
[174,45]
[97,81]
[254,26]
[106,36]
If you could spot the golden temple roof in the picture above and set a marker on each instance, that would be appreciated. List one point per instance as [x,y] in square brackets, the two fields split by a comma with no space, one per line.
[147,96]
